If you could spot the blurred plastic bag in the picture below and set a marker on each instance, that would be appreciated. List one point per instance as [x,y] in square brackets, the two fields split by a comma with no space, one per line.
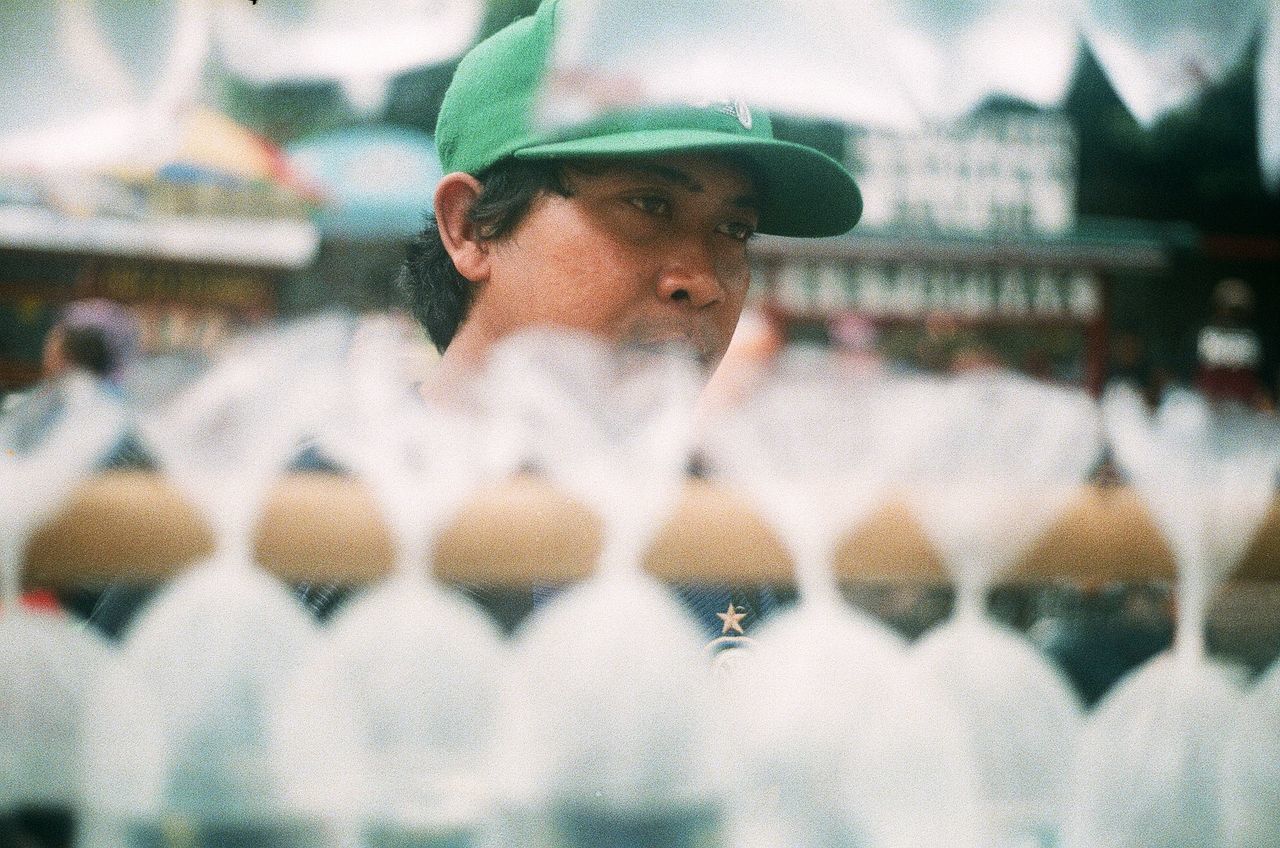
[388,728]
[1023,718]
[609,729]
[47,663]
[361,43]
[873,63]
[818,57]
[90,84]
[1005,455]
[1148,768]
[50,442]
[1268,99]
[840,742]
[611,427]
[1250,781]
[815,449]
[1160,56]
[610,726]
[1207,475]
[953,56]
[177,732]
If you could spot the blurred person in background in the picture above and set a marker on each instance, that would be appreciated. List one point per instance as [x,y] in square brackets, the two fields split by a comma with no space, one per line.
[100,338]
[1229,360]
[97,336]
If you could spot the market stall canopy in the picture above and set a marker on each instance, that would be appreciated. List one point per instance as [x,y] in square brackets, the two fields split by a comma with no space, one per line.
[214,143]
[360,43]
[216,193]
[372,183]
[88,84]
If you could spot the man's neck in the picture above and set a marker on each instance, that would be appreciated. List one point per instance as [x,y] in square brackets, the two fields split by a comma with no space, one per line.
[469,348]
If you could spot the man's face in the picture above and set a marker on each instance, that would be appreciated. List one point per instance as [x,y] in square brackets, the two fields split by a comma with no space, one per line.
[641,251]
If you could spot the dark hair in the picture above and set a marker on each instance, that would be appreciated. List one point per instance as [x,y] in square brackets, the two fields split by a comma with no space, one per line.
[88,348]
[438,296]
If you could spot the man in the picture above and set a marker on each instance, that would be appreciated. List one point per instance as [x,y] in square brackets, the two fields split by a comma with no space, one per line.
[633,226]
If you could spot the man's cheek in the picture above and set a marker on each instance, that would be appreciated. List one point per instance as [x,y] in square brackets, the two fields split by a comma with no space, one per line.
[734,270]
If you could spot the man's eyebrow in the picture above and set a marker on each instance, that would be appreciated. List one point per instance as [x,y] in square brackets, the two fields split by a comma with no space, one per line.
[678,177]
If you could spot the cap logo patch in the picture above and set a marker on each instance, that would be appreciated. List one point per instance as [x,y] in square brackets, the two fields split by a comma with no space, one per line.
[735,108]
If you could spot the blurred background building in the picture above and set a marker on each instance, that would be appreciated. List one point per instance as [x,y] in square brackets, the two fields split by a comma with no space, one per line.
[1058,187]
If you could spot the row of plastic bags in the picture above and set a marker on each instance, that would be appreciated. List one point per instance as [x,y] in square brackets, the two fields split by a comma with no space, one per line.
[95,82]
[908,64]
[92,82]
[228,714]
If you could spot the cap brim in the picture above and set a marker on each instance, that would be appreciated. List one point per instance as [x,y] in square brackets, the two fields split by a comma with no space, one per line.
[803,191]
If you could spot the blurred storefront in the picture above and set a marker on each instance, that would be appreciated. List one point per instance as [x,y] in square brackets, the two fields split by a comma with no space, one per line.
[199,246]
[970,253]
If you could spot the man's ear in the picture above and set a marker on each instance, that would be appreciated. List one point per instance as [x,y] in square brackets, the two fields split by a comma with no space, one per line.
[455,195]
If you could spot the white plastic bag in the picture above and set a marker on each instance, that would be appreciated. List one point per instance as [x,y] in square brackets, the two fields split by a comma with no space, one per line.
[1005,454]
[47,663]
[610,729]
[814,448]
[1148,769]
[900,65]
[817,57]
[841,743]
[90,84]
[361,43]
[951,57]
[388,729]
[1268,99]
[1160,56]
[177,732]
[1250,781]
[1022,716]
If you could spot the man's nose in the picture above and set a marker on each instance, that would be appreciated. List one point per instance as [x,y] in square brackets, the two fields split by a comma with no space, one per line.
[691,276]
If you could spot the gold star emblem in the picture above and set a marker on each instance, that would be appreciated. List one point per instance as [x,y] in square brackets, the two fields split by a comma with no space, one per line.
[732,619]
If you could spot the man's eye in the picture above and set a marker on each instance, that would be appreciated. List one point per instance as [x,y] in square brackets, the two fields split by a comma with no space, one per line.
[651,204]
[737,230]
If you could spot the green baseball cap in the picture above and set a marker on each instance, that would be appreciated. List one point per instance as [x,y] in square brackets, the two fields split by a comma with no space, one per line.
[490,111]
